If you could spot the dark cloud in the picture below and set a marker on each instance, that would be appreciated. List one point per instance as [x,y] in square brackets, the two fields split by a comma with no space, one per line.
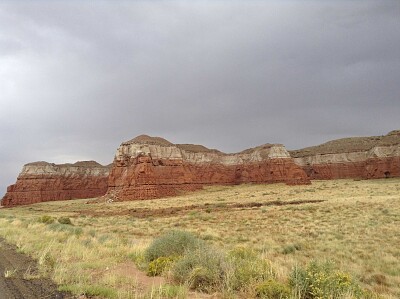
[79,77]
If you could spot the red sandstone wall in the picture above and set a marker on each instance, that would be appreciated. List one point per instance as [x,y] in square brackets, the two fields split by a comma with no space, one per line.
[374,168]
[38,188]
[143,178]
[382,168]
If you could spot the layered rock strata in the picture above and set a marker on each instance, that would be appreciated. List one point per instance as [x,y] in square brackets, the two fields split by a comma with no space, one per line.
[359,157]
[152,167]
[42,181]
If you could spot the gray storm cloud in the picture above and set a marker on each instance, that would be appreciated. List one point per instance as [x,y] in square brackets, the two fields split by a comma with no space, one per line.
[79,77]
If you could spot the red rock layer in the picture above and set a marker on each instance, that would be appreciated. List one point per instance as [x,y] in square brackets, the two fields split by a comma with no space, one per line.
[359,157]
[143,177]
[372,168]
[60,184]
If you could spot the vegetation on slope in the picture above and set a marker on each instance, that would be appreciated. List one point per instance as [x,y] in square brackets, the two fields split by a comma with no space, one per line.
[336,248]
[348,145]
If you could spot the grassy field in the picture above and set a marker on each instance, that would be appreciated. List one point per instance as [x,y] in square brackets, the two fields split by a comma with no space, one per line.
[353,224]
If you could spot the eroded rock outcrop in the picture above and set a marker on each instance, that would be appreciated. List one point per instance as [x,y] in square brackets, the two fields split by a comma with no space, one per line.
[152,167]
[42,181]
[358,157]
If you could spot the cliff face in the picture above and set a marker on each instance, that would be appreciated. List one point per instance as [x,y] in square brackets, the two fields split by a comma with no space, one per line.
[152,167]
[360,157]
[42,181]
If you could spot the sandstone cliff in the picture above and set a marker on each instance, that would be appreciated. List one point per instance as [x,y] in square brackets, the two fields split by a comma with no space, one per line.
[358,157]
[152,167]
[42,181]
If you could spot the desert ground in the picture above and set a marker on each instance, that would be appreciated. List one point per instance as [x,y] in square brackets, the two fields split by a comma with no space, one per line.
[21,279]
[98,249]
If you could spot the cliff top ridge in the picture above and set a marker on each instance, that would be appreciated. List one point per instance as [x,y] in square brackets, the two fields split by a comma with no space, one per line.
[76,164]
[347,145]
[196,148]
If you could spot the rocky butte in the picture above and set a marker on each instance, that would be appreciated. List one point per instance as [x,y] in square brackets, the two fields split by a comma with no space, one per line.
[152,167]
[358,157]
[42,181]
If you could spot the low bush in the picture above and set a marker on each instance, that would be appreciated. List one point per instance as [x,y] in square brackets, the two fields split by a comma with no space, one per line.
[158,266]
[248,268]
[173,243]
[272,289]
[46,219]
[203,269]
[64,220]
[322,280]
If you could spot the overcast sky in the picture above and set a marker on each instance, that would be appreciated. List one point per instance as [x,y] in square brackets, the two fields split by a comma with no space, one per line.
[79,77]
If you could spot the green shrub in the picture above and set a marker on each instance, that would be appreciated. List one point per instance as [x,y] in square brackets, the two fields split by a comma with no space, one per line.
[248,268]
[272,289]
[322,280]
[203,269]
[173,243]
[158,266]
[64,220]
[46,219]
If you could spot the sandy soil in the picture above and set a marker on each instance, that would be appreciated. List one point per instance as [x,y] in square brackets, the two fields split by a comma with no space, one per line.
[19,278]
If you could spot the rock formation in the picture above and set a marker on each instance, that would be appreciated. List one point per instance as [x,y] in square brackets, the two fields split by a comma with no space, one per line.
[42,181]
[358,157]
[152,167]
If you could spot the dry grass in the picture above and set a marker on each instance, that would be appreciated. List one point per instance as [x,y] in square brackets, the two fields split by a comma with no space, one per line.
[357,227]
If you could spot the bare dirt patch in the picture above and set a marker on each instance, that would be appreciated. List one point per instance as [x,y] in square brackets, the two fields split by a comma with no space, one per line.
[19,278]
[143,282]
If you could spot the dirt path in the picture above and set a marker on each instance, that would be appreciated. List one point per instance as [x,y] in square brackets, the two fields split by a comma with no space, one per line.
[19,278]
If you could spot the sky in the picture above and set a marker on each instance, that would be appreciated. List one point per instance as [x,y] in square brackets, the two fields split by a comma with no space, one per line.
[77,78]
